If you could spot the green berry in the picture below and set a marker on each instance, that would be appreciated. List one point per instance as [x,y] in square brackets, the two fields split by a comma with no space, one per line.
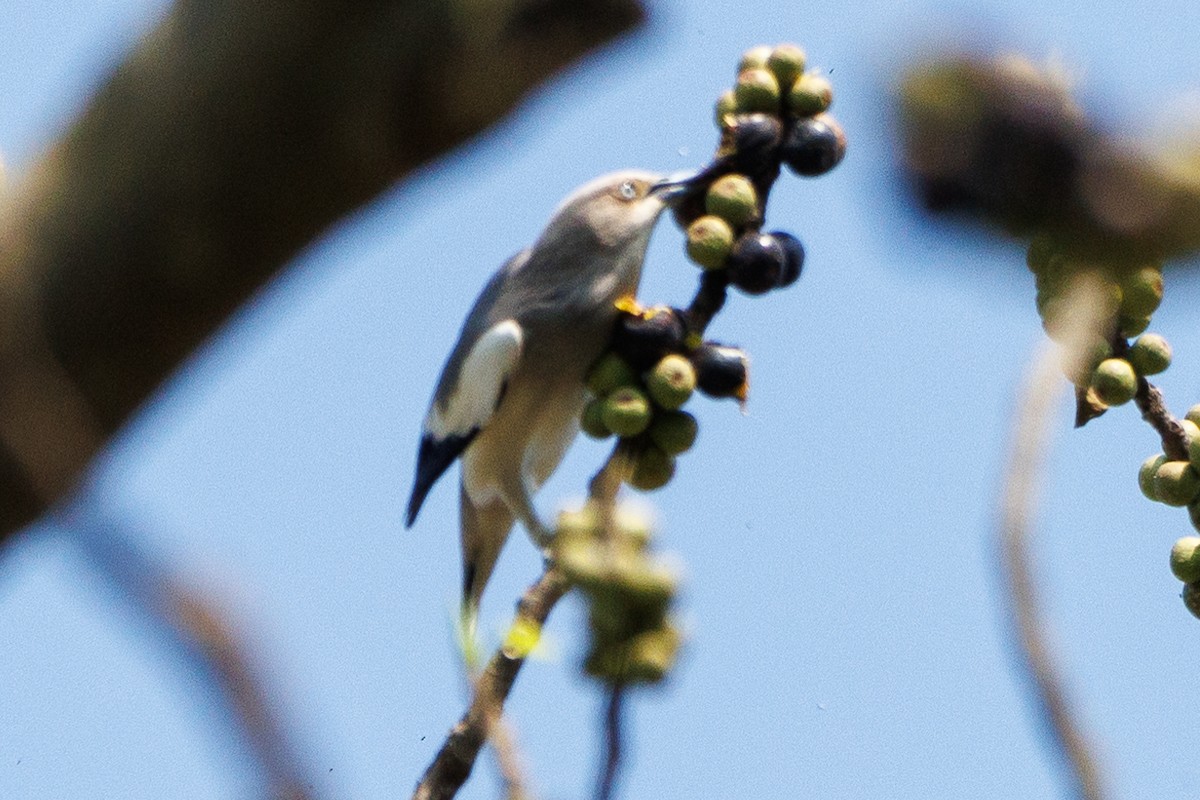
[1193,414]
[645,585]
[810,95]
[1185,559]
[733,198]
[671,382]
[652,470]
[652,654]
[674,431]
[1150,354]
[1176,483]
[757,90]
[609,374]
[726,108]
[755,58]
[591,421]
[1114,382]
[582,523]
[1194,514]
[709,240]
[634,526]
[627,412]
[1142,292]
[1191,432]
[787,62]
[1129,327]
[1146,475]
[581,560]
[1191,598]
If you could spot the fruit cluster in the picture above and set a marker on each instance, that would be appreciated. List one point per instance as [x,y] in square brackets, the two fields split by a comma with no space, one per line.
[1111,371]
[776,113]
[638,388]
[1176,482]
[629,592]
[1108,367]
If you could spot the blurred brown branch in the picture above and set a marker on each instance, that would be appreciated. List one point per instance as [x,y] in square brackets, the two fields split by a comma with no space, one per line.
[207,642]
[1041,389]
[232,136]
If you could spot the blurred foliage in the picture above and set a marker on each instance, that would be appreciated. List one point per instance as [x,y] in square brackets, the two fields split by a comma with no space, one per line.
[1004,139]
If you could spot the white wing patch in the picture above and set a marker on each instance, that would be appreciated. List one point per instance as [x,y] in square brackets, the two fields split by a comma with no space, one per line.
[481,380]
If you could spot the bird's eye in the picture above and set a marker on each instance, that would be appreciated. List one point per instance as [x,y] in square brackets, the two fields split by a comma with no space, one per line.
[628,190]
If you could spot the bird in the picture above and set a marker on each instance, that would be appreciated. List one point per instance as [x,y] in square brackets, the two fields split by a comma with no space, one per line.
[509,397]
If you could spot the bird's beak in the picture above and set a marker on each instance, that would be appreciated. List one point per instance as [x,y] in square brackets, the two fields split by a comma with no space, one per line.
[676,187]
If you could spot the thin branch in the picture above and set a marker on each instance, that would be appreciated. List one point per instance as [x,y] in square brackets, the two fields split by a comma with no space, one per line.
[456,758]
[1030,443]
[191,624]
[453,763]
[230,138]
[612,739]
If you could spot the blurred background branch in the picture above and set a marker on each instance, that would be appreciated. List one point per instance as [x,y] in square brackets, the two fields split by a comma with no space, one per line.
[203,636]
[231,137]
[1035,415]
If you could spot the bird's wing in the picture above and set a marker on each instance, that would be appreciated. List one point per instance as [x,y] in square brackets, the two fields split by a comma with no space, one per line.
[471,386]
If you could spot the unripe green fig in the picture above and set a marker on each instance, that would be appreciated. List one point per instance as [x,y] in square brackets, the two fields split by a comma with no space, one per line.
[1185,559]
[652,470]
[755,58]
[674,431]
[1193,414]
[1129,327]
[581,560]
[627,412]
[732,198]
[726,108]
[787,62]
[652,654]
[608,374]
[810,95]
[1114,382]
[1191,432]
[757,90]
[1146,476]
[646,585]
[671,382]
[1150,354]
[577,522]
[1142,291]
[1176,483]
[591,421]
[709,240]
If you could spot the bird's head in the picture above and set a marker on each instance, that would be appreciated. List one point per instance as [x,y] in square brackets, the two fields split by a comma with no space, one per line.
[616,210]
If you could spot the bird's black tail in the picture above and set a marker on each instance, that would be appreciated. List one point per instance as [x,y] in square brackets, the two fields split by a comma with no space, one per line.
[433,458]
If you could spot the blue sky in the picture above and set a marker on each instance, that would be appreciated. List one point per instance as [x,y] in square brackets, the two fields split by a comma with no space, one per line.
[845,634]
